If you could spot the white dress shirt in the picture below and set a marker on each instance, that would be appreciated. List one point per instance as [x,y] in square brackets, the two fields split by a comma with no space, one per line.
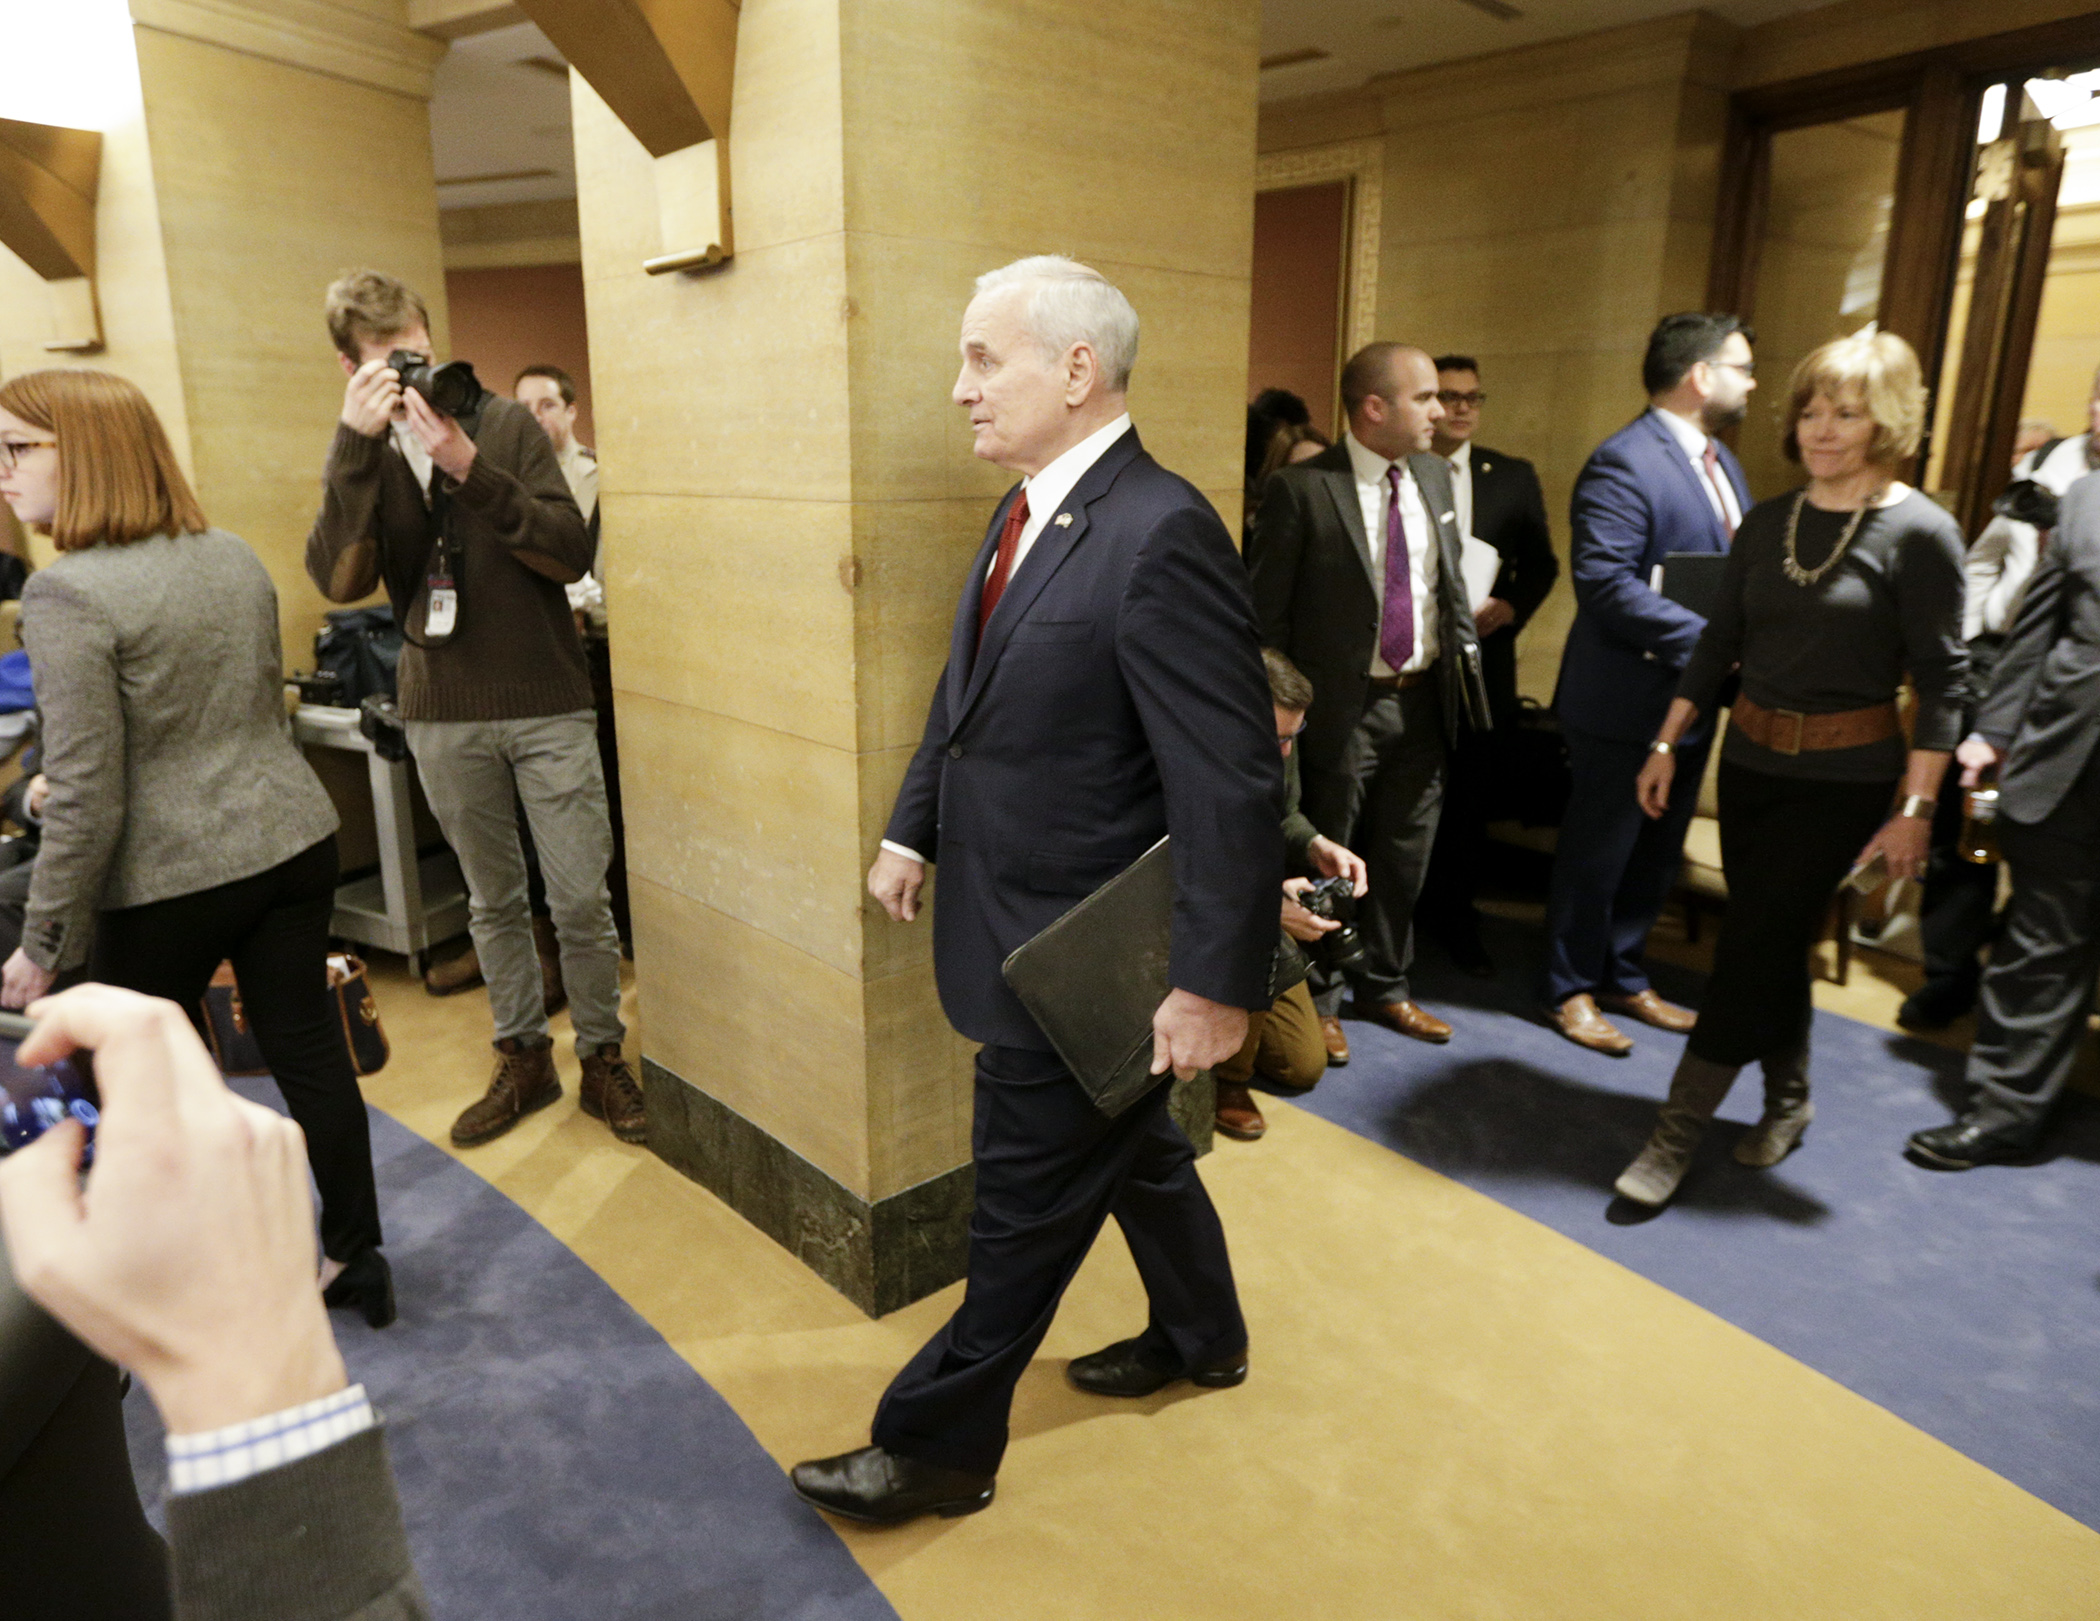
[1720,490]
[1046,492]
[1422,550]
[1461,461]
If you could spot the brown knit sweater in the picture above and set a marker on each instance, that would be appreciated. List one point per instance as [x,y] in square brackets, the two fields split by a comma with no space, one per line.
[517,540]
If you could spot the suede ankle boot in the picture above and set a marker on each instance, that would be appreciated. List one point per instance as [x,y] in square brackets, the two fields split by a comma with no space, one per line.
[1787,1110]
[1696,1090]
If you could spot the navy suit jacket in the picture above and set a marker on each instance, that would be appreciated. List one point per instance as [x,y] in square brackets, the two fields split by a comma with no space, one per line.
[1637,500]
[1118,697]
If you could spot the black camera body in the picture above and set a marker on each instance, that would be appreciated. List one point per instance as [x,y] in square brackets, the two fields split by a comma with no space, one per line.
[2027,501]
[1338,950]
[451,389]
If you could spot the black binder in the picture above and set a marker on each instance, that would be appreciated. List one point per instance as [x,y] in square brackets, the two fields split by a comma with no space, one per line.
[1693,579]
[1093,979]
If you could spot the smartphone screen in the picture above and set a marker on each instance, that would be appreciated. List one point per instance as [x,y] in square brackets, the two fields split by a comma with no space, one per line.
[33,1100]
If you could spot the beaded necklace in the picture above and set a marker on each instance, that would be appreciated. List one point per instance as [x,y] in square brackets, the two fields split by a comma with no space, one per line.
[1791,561]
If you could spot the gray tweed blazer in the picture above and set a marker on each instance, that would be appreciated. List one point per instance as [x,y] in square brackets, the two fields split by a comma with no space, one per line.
[160,676]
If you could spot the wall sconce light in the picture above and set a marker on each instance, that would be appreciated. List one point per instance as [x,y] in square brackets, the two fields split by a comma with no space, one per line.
[48,179]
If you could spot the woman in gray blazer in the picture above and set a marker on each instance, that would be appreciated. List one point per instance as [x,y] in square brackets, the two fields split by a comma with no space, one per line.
[182,827]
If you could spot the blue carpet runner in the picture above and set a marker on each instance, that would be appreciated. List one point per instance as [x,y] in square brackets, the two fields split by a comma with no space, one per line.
[556,1458]
[1966,1304]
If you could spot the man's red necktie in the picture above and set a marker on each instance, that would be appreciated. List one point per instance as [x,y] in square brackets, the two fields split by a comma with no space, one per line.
[1009,542]
[1712,460]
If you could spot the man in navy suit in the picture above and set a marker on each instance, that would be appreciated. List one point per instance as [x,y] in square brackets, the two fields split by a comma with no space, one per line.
[1104,689]
[1661,484]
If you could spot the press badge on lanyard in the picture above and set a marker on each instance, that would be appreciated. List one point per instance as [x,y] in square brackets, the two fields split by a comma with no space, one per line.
[443,613]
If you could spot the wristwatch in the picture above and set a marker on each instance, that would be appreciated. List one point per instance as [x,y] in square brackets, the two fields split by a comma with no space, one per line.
[1660,747]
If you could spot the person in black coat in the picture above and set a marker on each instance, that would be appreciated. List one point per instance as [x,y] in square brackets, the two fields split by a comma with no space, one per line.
[2039,728]
[1499,502]
[1355,559]
[1104,689]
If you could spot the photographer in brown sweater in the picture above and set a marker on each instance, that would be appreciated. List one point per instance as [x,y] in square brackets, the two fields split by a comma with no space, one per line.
[466,522]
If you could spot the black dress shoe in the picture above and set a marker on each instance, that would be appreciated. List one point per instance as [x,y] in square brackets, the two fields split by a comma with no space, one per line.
[884,1488]
[1130,1368]
[1964,1144]
[366,1284]
[1936,1004]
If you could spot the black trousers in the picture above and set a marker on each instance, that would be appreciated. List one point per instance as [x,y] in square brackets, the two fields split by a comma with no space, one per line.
[273,927]
[1958,912]
[1050,1169]
[2038,988]
[1460,849]
[1785,844]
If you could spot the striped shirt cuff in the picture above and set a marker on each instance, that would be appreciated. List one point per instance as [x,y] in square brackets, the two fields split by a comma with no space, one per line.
[215,1458]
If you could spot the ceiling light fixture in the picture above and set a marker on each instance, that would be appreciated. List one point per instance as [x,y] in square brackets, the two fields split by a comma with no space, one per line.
[1290,59]
[1500,10]
[492,179]
[551,65]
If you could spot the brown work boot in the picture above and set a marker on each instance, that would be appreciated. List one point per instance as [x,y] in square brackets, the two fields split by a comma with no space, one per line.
[453,975]
[548,944]
[524,1081]
[611,1093]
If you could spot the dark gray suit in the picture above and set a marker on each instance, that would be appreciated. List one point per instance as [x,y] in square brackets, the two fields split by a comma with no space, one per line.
[1372,761]
[2043,714]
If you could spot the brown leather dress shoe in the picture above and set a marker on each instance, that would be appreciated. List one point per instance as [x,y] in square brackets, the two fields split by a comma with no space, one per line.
[1578,1019]
[1407,1018]
[1337,1042]
[611,1093]
[524,1081]
[453,975]
[1651,1009]
[1238,1116]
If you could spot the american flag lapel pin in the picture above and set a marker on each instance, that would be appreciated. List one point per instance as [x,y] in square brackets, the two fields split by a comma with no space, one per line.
[1063,520]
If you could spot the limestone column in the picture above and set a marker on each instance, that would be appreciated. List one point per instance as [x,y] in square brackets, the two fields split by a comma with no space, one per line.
[790,503]
[254,148]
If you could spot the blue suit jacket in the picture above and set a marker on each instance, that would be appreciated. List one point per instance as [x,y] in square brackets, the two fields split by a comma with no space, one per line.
[1118,696]
[1637,500]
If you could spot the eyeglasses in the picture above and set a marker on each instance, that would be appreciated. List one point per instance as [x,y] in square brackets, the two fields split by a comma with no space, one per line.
[1747,367]
[11,450]
[1452,398]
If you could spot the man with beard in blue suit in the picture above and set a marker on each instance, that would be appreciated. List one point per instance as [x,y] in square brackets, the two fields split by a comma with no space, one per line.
[1661,484]
[1104,688]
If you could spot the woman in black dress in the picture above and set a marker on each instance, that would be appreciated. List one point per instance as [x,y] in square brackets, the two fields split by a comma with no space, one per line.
[1833,594]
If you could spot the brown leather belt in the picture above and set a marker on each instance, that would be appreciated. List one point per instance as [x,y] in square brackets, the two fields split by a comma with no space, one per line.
[1402,683]
[1788,731]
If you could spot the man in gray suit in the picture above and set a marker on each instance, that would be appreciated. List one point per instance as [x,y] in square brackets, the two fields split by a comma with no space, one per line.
[190,1260]
[2038,725]
[1355,562]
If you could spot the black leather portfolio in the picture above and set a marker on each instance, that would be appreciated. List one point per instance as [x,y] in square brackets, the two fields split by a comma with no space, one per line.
[1094,978]
[1693,579]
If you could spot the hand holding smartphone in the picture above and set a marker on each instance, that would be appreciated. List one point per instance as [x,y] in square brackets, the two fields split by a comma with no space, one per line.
[34,1099]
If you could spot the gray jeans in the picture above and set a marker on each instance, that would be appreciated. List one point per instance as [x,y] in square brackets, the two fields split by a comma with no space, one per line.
[471,769]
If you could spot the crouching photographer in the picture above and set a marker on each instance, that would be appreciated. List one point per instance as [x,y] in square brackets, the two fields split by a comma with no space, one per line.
[1285,1050]
[450,498]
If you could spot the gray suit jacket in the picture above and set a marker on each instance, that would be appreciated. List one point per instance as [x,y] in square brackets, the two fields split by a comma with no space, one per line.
[316,1540]
[1314,594]
[160,675]
[2043,709]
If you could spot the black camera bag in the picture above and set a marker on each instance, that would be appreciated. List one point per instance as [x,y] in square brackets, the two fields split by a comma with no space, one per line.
[360,647]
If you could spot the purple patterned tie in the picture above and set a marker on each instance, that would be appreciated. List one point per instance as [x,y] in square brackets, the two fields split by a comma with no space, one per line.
[1396,636]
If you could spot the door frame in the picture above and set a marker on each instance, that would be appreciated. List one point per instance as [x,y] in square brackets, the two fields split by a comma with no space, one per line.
[1942,91]
[1361,165]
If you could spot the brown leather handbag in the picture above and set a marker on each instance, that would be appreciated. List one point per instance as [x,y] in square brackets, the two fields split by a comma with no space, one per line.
[233,1043]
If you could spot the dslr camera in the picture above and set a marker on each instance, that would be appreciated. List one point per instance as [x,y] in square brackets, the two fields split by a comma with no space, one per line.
[451,389]
[2026,501]
[1338,950]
